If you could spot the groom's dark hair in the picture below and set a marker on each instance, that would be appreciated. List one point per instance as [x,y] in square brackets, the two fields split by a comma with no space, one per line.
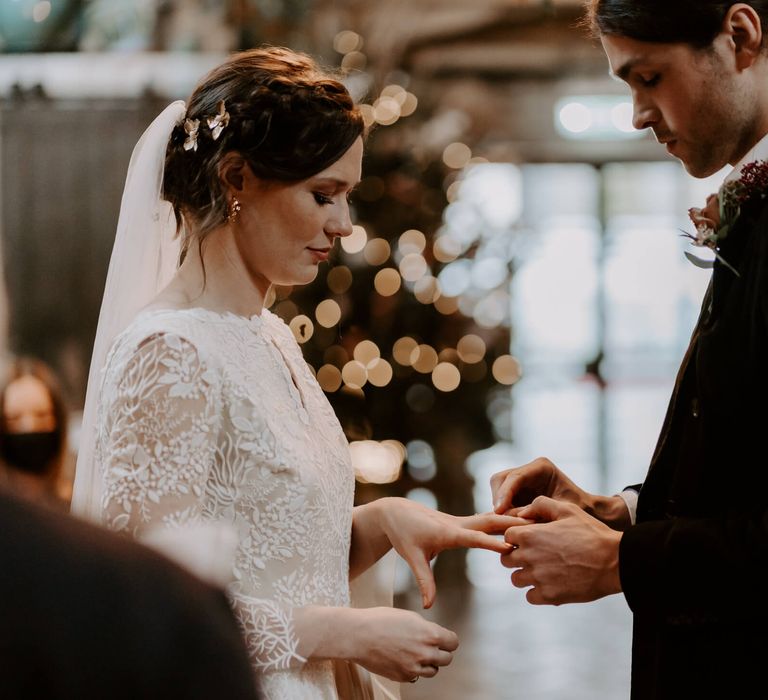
[694,22]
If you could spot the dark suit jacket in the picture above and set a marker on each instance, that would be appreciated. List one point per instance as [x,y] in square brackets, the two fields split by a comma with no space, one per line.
[695,567]
[85,614]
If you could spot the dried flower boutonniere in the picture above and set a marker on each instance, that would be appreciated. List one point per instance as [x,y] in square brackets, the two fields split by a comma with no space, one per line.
[714,222]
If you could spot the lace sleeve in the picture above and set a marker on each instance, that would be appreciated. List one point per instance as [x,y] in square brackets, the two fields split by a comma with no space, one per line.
[162,455]
[157,436]
[269,633]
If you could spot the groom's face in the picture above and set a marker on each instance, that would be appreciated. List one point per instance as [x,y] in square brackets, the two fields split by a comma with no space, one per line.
[692,99]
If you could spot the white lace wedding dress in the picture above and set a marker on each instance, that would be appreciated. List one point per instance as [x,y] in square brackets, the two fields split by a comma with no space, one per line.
[216,417]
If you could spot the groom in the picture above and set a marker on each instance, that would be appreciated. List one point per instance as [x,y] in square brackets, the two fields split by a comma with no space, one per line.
[690,554]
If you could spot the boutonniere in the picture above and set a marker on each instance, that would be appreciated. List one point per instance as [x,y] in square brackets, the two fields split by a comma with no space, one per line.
[714,222]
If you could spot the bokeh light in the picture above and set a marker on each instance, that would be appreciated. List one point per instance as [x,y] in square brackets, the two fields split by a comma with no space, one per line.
[380,372]
[339,279]
[427,290]
[446,249]
[447,305]
[423,496]
[457,155]
[347,41]
[471,348]
[356,241]
[336,355]
[354,374]
[446,377]
[354,60]
[376,462]
[412,241]
[41,11]
[413,267]
[329,378]
[328,313]
[302,328]
[387,282]
[424,359]
[420,398]
[377,251]
[421,460]
[506,370]
[403,350]
[367,353]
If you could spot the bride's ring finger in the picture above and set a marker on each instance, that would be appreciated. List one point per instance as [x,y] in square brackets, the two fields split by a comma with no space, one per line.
[429,671]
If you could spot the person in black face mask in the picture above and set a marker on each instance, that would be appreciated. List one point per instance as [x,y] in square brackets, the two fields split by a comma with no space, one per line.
[33,424]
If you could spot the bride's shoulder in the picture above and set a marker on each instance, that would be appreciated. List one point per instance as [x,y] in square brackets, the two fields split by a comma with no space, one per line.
[158,335]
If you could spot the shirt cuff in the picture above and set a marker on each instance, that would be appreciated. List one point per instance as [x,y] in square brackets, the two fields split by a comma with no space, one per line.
[629,496]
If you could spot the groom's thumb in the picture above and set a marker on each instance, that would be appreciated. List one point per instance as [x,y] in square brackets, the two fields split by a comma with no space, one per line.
[544,509]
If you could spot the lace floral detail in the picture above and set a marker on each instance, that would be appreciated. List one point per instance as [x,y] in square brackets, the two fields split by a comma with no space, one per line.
[268,631]
[213,417]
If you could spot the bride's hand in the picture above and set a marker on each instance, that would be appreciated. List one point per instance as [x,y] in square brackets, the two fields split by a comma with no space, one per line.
[419,534]
[400,644]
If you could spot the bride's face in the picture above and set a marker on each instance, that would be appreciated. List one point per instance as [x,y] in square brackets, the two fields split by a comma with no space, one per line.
[285,230]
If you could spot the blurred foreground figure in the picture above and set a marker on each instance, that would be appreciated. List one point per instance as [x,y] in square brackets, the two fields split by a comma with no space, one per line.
[89,615]
[33,433]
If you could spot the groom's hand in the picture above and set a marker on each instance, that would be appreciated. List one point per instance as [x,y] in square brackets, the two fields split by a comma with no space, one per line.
[518,487]
[567,556]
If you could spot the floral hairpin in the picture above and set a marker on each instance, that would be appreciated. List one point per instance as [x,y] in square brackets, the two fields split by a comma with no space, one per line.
[191,127]
[217,123]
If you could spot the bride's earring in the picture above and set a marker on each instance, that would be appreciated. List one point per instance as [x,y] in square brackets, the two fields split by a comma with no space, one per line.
[233,210]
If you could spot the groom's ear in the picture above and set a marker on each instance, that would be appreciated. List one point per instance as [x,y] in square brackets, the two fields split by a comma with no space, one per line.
[233,171]
[743,26]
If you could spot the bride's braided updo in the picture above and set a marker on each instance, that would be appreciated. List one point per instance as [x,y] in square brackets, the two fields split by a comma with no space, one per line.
[287,117]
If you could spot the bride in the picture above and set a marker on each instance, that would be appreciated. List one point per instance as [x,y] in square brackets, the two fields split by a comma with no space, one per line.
[205,411]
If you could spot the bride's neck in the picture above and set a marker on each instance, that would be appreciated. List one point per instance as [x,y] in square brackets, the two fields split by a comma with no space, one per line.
[214,276]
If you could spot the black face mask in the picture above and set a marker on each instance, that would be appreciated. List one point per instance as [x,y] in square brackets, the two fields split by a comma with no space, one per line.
[29,452]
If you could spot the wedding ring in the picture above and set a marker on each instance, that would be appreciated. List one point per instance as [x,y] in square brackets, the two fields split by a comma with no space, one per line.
[414,679]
